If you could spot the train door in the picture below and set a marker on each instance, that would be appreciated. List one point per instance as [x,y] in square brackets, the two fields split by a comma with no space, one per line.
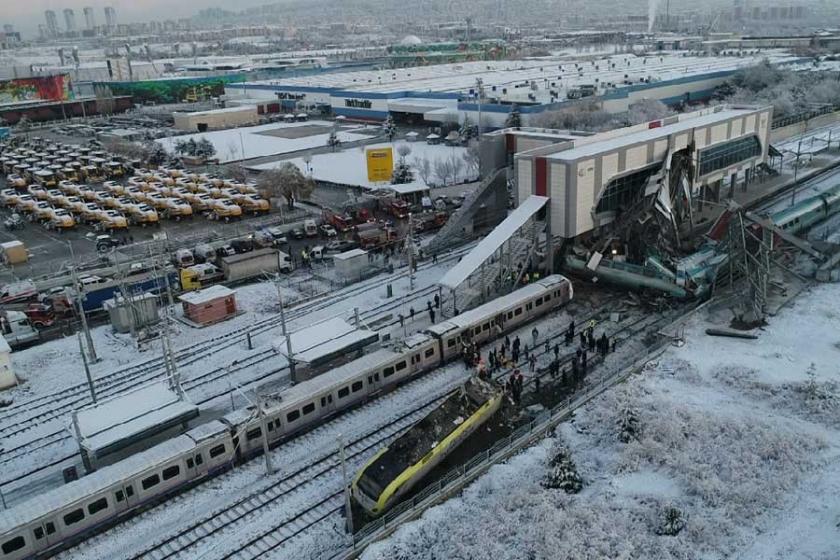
[45,535]
[124,497]
[327,405]
[373,384]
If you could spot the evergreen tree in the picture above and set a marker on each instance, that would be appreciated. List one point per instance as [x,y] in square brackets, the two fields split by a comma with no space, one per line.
[389,127]
[628,425]
[514,119]
[333,142]
[672,522]
[562,473]
[205,148]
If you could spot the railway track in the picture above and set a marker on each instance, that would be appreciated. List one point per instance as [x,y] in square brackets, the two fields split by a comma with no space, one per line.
[324,470]
[21,417]
[292,525]
[294,520]
[191,384]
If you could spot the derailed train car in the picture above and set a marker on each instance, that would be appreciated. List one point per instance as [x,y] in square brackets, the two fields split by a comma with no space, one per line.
[66,515]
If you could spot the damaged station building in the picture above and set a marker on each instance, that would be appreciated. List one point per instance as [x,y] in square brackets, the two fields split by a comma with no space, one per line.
[625,205]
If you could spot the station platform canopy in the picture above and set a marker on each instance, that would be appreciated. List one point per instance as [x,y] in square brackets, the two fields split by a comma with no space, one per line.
[492,242]
[121,421]
[322,342]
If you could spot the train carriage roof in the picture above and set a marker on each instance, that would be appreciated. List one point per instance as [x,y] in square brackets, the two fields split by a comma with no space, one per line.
[493,308]
[337,377]
[88,486]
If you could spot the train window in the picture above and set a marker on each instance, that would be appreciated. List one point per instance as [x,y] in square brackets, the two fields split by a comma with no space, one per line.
[13,544]
[119,495]
[401,365]
[538,302]
[171,472]
[74,517]
[190,463]
[430,352]
[216,451]
[129,491]
[388,371]
[39,533]
[150,481]
[270,426]
[50,528]
[357,386]
[510,314]
[253,434]
[485,327]
[518,311]
[293,415]
[547,297]
[309,408]
[450,343]
[97,506]
[477,330]
[343,392]
[199,460]
[529,306]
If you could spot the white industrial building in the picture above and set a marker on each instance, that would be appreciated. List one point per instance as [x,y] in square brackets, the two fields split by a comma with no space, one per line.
[591,179]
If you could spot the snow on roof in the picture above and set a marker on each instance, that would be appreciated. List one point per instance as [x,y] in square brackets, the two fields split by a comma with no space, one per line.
[63,496]
[491,309]
[347,255]
[107,424]
[485,249]
[206,295]
[238,109]
[326,339]
[611,144]
[408,188]
[339,376]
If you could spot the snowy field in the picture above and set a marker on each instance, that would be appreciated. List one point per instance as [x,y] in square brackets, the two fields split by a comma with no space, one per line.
[742,436]
[349,167]
[267,139]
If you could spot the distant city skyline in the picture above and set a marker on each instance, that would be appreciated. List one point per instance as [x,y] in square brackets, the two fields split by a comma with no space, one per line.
[26,16]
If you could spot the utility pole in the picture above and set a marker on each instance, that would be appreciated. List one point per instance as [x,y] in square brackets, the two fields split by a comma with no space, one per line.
[269,468]
[286,334]
[348,506]
[78,297]
[410,248]
[87,369]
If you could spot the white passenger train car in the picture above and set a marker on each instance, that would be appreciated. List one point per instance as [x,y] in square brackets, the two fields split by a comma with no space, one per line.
[66,515]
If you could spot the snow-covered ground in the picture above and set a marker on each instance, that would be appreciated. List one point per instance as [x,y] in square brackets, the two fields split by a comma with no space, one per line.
[742,436]
[258,141]
[348,167]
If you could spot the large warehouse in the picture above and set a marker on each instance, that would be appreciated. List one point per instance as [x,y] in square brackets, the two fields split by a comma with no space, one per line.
[590,180]
[448,92]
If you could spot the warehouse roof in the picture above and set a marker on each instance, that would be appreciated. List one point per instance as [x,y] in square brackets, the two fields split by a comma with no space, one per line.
[594,147]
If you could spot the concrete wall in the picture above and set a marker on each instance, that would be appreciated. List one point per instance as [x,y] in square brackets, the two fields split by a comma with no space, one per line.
[803,127]
[225,118]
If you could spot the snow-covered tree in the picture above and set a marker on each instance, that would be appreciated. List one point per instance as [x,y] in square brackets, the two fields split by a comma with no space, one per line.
[672,522]
[467,130]
[514,118]
[286,181]
[628,424]
[645,110]
[424,169]
[333,141]
[389,127]
[157,154]
[204,148]
[472,158]
[402,171]
[562,473]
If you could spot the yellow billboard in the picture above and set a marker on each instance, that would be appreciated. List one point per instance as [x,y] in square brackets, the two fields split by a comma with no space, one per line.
[380,164]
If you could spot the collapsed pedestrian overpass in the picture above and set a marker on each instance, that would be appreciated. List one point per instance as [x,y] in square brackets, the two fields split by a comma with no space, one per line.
[497,264]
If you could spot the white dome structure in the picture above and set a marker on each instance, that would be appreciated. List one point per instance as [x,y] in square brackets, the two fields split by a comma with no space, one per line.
[411,40]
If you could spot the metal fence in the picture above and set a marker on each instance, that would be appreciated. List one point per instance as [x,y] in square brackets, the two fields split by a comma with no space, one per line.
[459,477]
[801,117]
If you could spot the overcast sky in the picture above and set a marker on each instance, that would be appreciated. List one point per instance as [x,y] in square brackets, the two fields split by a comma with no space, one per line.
[27,14]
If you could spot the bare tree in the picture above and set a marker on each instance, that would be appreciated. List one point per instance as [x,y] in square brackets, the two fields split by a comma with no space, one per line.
[443,170]
[456,165]
[471,158]
[235,172]
[286,181]
[232,150]
[403,150]
[424,169]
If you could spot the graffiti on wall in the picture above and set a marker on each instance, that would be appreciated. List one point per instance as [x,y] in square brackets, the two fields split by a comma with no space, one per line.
[174,90]
[45,88]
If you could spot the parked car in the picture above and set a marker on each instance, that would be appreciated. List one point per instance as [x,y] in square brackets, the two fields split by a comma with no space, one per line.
[341,245]
[327,230]
[297,233]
